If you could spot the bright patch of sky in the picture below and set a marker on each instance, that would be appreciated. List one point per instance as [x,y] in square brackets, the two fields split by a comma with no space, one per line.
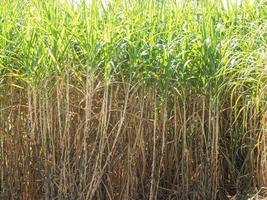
[235,2]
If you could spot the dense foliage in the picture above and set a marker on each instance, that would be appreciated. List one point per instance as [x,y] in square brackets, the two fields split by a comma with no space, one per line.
[132,99]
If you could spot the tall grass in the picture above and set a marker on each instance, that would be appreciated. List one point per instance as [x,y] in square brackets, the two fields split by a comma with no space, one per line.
[132,100]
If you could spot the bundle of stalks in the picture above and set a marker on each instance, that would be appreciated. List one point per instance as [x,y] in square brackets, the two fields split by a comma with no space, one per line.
[132,100]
